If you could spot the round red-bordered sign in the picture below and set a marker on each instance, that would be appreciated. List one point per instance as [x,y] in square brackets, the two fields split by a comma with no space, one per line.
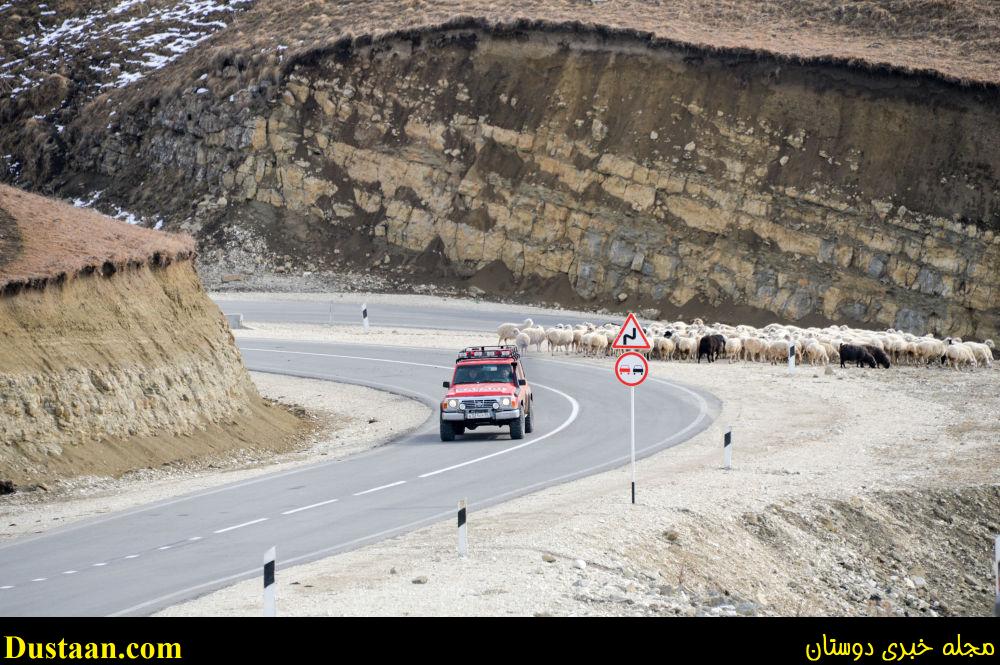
[631,369]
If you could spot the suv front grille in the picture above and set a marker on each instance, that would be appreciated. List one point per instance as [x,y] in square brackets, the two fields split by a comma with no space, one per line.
[478,403]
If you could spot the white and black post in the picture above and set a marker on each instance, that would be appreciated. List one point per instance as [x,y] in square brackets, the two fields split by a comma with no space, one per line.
[463,531]
[996,576]
[791,356]
[269,558]
[727,449]
[364,316]
[631,391]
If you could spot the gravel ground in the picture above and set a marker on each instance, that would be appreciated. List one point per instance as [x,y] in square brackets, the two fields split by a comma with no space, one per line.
[350,419]
[853,492]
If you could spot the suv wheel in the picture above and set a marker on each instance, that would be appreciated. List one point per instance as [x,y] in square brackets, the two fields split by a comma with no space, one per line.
[517,428]
[447,431]
[528,421]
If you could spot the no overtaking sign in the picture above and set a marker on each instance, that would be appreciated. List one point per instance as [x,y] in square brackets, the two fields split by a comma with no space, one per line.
[631,369]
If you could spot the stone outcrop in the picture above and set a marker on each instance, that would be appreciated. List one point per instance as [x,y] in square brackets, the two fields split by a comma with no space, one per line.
[687,181]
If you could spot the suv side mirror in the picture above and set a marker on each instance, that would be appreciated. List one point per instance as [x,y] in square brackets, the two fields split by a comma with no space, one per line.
[446,384]
[522,382]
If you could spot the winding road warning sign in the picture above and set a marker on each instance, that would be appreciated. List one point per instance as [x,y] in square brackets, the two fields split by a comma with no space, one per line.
[631,337]
[631,369]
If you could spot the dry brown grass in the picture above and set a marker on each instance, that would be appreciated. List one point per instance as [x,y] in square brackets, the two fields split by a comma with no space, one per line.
[55,241]
[957,40]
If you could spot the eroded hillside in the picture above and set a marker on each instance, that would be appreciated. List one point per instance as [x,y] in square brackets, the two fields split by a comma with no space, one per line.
[112,357]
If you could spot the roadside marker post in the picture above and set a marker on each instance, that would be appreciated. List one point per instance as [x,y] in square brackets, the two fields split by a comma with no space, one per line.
[791,357]
[364,316]
[463,536]
[631,369]
[727,449]
[269,564]
[996,576]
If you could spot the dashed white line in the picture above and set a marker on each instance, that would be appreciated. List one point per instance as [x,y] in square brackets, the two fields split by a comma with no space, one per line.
[381,487]
[240,526]
[194,538]
[98,565]
[39,579]
[165,547]
[314,505]
[131,556]
[8,586]
[69,572]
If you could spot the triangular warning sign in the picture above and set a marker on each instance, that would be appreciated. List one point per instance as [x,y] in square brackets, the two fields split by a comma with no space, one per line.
[631,336]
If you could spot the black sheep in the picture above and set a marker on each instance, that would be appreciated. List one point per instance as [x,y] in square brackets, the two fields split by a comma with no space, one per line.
[711,346]
[879,355]
[859,354]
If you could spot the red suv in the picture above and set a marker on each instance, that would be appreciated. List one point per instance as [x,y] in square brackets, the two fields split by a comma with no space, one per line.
[488,388]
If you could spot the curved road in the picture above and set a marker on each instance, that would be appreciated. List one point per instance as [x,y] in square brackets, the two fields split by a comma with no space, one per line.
[141,560]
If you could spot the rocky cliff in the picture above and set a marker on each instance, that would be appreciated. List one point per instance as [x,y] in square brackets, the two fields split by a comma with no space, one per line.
[111,355]
[594,166]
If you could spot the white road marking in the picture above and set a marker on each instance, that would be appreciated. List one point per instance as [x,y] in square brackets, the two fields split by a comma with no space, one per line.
[573,414]
[380,487]
[194,538]
[314,505]
[240,526]
[566,423]
[165,547]
[39,579]
[69,572]
[8,586]
[131,556]
[98,565]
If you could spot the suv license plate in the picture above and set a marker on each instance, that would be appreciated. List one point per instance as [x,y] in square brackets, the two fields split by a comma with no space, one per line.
[476,415]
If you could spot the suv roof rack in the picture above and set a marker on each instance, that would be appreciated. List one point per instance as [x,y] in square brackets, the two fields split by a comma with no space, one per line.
[487,352]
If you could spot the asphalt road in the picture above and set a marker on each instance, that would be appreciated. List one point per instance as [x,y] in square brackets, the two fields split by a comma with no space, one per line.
[141,560]
[399,316]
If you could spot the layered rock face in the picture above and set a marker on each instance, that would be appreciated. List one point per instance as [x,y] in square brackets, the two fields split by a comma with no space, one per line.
[688,182]
[112,356]
[143,354]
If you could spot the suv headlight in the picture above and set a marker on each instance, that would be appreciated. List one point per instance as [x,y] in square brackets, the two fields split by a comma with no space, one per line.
[505,401]
[452,403]
[496,405]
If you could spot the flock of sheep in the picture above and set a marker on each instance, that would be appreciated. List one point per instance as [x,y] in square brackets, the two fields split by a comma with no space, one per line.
[818,346]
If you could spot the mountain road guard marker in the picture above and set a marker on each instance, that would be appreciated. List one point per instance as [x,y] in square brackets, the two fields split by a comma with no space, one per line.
[631,337]
[631,369]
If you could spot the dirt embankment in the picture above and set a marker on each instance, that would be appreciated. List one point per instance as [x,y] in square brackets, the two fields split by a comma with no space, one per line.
[112,357]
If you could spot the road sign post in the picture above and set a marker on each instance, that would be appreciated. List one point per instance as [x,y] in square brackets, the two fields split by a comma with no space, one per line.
[631,369]
[631,437]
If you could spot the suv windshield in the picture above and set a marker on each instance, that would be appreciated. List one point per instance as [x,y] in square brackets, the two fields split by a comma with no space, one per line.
[484,374]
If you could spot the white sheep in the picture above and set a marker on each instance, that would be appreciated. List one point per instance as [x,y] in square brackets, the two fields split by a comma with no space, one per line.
[521,341]
[508,331]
